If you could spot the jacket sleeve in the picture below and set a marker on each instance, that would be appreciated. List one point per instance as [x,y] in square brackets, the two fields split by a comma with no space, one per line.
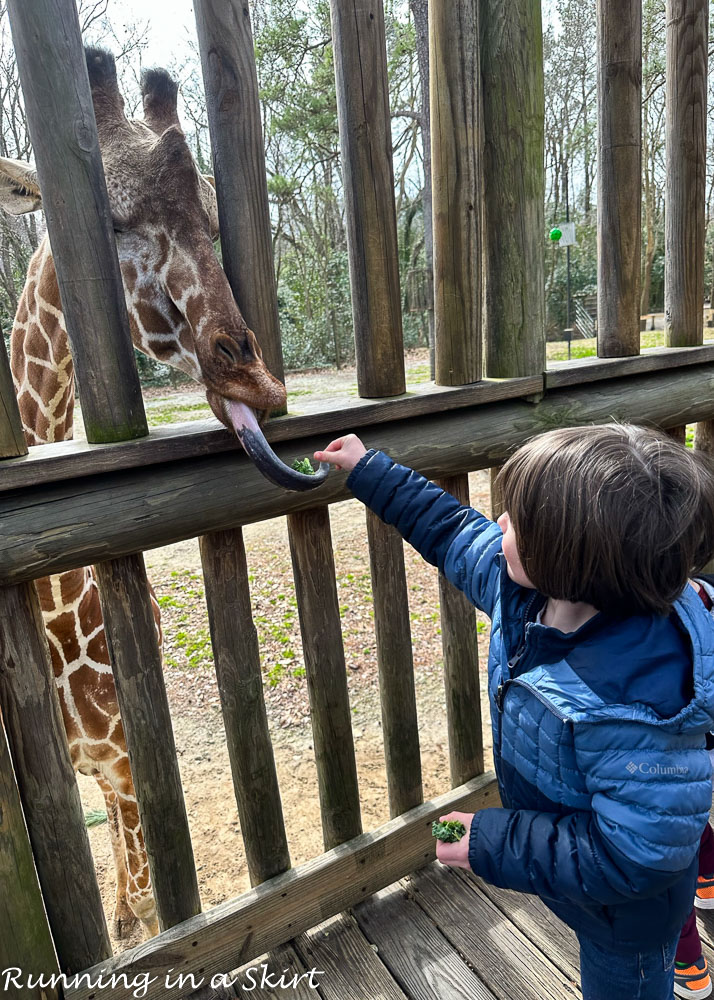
[461,542]
[648,815]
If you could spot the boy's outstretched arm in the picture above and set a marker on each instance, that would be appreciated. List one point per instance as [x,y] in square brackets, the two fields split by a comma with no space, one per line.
[458,539]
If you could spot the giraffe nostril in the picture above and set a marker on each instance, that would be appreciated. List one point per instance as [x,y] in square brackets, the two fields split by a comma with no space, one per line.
[223,349]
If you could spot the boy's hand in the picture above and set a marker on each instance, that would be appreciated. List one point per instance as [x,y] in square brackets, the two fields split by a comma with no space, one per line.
[456,855]
[343,453]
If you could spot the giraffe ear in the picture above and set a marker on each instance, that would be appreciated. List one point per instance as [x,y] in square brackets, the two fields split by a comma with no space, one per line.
[159,92]
[19,190]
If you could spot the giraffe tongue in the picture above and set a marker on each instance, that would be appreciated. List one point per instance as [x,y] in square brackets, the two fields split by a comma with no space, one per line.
[243,421]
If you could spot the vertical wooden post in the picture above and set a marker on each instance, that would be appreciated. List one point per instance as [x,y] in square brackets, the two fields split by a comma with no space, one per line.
[514,187]
[619,176]
[368,177]
[225,41]
[396,666]
[136,663]
[240,685]
[63,128]
[12,438]
[457,193]
[459,638]
[25,939]
[687,42]
[318,610]
[53,811]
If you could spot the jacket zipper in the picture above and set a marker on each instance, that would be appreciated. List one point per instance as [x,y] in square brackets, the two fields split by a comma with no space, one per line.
[517,657]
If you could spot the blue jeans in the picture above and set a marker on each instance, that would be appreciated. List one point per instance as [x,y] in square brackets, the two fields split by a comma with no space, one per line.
[647,975]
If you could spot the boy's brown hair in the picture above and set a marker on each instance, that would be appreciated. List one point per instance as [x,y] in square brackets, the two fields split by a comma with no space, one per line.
[616,515]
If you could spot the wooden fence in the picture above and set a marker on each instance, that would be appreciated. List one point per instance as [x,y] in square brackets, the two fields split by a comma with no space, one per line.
[104,502]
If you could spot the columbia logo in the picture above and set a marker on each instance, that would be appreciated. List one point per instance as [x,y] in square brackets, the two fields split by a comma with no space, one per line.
[631,767]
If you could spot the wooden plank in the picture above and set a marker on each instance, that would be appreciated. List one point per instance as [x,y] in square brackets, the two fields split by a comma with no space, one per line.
[12,438]
[62,125]
[457,188]
[459,639]
[561,373]
[319,614]
[395,662]
[514,186]
[240,686]
[72,459]
[415,950]
[225,41]
[686,155]
[619,176]
[268,915]
[53,811]
[484,937]
[269,976]
[25,939]
[360,55]
[554,938]
[351,968]
[136,664]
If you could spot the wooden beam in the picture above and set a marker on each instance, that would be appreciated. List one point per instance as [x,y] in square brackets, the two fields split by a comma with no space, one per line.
[32,719]
[25,939]
[619,176]
[514,186]
[225,40]
[562,373]
[48,528]
[12,438]
[135,657]
[457,188]
[319,614]
[233,933]
[63,129]
[395,662]
[240,686]
[360,54]
[459,639]
[72,459]
[686,154]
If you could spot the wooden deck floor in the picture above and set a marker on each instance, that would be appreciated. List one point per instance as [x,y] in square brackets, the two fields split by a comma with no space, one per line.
[438,934]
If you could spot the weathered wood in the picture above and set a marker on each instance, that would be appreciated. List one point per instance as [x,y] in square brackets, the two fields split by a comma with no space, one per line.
[71,459]
[53,527]
[497,504]
[319,614]
[514,186]
[262,918]
[396,666]
[415,950]
[352,968]
[25,939]
[619,176]
[225,40]
[12,439]
[283,965]
[135,657]
[486,937]
[686,154]
[240,686]
[50,798]
[457,188]
[63,129]
[360,55]
[561,373]
[679,434]
[459,640]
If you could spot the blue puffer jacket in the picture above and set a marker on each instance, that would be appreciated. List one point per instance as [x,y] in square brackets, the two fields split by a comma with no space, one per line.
[604,797]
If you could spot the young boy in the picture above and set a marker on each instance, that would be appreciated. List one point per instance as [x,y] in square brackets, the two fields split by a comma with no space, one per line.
[601,679]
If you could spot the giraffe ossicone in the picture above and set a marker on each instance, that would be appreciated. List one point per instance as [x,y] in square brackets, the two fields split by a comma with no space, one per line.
[182,313]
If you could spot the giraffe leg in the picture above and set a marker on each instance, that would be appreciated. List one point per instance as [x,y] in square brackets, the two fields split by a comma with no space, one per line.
[123,919]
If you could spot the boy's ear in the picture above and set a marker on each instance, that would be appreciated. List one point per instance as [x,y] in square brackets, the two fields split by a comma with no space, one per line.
[19,190]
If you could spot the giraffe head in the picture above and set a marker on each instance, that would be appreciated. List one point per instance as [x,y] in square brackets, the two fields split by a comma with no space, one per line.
[181,308]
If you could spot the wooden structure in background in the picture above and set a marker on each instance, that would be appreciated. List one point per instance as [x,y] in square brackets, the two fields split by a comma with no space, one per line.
[66,505]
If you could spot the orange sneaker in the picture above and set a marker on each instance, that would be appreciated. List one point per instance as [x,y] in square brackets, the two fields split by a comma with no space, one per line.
[692,980]
[704,896]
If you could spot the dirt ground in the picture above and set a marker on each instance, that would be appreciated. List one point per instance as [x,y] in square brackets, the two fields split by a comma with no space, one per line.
[175,573]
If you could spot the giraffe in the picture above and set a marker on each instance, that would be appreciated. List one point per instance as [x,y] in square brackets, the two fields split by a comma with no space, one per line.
[181,312]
